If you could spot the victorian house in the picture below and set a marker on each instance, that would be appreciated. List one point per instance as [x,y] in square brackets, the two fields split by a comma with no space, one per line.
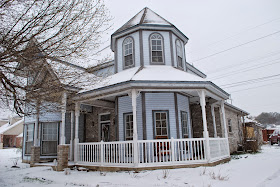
[151,110]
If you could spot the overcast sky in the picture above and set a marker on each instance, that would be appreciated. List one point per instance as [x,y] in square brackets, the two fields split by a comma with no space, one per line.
[230,41]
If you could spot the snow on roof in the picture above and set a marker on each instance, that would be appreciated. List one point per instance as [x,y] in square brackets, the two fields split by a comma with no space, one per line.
[72,75]
[145,16]
[147,73]
[20,135]
[7,126]
[165,73]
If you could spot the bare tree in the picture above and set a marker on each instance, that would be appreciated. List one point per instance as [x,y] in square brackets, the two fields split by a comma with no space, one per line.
[35,31]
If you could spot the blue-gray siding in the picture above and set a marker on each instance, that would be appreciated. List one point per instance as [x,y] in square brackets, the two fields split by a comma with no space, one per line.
[125,106]
[160,101]
[135,37]
[146,47]
[183,105]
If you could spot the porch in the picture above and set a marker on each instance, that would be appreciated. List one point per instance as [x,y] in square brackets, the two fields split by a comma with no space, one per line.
[153,153]
[146,148]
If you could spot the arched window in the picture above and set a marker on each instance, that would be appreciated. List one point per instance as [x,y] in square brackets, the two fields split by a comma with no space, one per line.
[179,51]
[156,42]
[128,52]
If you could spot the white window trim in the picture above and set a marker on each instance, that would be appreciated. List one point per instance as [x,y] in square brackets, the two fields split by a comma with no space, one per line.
[179,53]
[167,122]
[125,127]
[187,124]
[124,55]
[151,49]
[42,136]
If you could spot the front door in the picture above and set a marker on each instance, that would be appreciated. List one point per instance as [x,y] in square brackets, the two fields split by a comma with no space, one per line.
[105,122]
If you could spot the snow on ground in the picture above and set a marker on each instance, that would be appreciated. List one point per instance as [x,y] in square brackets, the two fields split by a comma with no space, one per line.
[261,170]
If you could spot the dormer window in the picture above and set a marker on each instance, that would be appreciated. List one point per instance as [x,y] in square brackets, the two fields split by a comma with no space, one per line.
[128,52]
[179,52]
[156,42]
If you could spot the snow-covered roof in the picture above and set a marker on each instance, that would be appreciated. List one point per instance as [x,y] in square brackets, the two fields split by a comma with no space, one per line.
[20,135]
[145,16]
[248,120]
[8,127]
[236,109]
[146,73]
[72,75]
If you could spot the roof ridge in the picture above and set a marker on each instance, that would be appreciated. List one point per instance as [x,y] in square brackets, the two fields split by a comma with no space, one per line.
[129,21]
[144,15]
[66,63]
[139,69]
[159,16]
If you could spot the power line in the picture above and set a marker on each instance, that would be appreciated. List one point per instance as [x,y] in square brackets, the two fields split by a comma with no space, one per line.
[240,45]
[245,62]
[254,87]
[246,69]
[250,80]
[232,36]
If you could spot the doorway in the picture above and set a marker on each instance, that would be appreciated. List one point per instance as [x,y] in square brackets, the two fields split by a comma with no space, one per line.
[105,123]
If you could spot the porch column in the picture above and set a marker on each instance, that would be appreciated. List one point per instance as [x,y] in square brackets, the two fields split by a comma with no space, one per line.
[35,149]
[201,94]
[225,124]
[72,134]
[135,135]
[214,120]
[63,113]
[36,125]
[76,140]
[224,118]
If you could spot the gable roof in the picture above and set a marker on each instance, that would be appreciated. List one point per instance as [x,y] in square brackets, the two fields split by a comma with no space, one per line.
[14,129]
[232,107]
[145,16]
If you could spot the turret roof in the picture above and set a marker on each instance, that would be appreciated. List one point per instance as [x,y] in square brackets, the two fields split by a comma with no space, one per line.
[145,16]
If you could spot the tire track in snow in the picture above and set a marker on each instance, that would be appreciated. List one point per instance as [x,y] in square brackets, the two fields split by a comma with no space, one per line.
[270,179]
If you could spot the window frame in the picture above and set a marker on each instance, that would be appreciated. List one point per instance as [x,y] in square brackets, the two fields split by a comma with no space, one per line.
[58,123]
[26,137]
[187,121]
[151,51]
[229,122]
[125,127]
[177,54]
[133,53]
[167,123]
[101,122]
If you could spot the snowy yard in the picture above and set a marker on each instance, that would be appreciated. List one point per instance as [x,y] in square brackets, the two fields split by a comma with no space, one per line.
[262,169]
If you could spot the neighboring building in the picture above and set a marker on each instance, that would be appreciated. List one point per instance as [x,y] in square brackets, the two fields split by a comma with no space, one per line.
[154,110]
[253,134]
[10,131]
[268,131]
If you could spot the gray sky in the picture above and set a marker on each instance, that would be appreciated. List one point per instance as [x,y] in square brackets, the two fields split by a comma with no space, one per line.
[230,41]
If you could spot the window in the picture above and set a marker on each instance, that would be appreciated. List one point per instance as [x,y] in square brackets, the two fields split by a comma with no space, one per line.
[179,52]
[229,125]
[29,138]
[184,123]
[128,126]
[128,52]
[156,48]
[161,124]
[105,121]
[49,138]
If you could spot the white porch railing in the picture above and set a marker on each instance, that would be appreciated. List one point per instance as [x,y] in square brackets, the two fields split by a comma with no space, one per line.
[151,152]
[219,148]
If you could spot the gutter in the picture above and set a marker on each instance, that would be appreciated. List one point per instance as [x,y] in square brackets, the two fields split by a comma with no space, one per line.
[159,84]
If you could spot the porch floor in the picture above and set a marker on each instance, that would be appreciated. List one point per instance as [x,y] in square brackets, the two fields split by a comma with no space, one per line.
[71,164]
